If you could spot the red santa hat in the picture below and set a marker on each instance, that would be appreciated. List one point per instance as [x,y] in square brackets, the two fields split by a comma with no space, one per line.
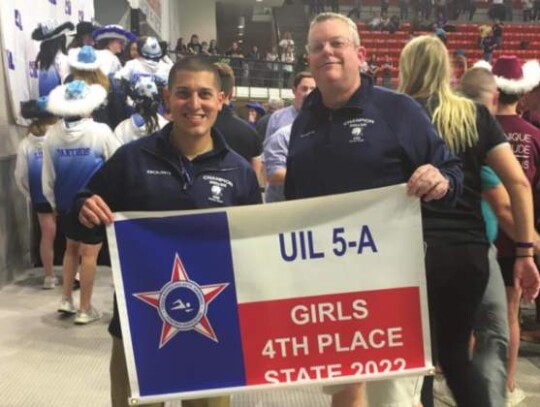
[513,78]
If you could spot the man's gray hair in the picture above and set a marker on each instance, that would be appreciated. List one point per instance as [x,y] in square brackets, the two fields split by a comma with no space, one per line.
[351,25]
[275,103]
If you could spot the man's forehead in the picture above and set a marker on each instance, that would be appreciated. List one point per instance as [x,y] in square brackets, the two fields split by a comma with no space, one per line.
[328,29]
[195,79]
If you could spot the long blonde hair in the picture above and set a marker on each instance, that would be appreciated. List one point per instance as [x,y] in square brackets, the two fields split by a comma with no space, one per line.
[424,72]
[95,77]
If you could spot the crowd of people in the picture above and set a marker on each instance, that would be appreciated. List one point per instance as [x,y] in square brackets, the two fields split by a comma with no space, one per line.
[108,135]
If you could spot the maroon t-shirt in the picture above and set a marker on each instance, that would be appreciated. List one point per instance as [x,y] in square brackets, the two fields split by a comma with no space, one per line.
[525,141]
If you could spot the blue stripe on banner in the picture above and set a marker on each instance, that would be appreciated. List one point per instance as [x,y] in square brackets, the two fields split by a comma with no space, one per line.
[181,297]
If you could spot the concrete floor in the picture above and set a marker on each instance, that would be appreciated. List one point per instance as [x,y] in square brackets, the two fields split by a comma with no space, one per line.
[47,361]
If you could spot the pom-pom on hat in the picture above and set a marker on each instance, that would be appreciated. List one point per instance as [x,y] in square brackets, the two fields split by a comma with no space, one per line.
[513,78]
[50,29]
[113,31]
[77,98]
[151,48]
[84,58]
[35,109]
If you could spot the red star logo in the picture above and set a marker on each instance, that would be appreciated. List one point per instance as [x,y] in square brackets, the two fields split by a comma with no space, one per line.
[179,276]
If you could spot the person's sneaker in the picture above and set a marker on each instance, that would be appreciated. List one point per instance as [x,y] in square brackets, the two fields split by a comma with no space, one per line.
[50,282]
[442,392]
[85,317]
[513,398]
[66,307]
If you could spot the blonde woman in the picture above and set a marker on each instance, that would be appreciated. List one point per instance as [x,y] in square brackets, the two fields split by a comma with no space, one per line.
[456,259]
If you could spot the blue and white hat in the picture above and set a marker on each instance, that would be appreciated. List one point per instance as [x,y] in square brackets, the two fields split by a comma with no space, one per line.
[113,31]
[151,48]
[83,59]
[49,30]
[77,98]
[145,87]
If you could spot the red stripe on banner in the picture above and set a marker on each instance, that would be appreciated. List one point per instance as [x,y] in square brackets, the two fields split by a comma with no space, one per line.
[332,336]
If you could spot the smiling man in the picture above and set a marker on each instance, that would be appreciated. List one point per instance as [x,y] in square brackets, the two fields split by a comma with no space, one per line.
[351,135]
[175,168]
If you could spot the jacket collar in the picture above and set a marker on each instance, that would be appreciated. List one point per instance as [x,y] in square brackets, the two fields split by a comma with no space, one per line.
[357,100]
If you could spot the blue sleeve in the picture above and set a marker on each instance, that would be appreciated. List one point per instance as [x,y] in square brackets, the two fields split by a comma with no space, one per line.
[276,150]
[488,178]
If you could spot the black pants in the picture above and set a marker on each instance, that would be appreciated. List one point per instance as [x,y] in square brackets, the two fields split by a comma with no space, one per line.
[456,278]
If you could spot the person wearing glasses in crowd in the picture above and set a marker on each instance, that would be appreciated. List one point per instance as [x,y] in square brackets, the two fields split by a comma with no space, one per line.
[398,144]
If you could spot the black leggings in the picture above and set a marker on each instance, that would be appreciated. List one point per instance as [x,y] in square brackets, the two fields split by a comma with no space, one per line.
[457,276]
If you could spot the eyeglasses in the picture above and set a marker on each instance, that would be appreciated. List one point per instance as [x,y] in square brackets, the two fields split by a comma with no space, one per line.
[336,44]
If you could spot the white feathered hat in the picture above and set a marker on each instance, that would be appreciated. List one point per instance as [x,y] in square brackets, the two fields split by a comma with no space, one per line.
[83,59]
[77,98]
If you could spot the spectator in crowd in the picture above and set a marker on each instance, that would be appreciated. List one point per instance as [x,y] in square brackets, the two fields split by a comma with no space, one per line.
[286,43]
[497,32]
[273,105]
[204,49]
[51,61]
[110,41]
[536,10]
[287,59]
[373,67]
[496,10]
[132,51]
[212,48]
[254,53]
[235,51]
[333,5]
[384,6]
[392,25]
[403,10]
[387,68]
[194,46]
[376,22]
[238,134]
[28,169]
[66,172]
[255,112]
[527,6]
[356,10]
[303,84]
[301,62]
[187,146]
[181,48]
[83,35]
[513,80]
[165,58]
[272,68]
[488,45]
[385,21]
[147,98]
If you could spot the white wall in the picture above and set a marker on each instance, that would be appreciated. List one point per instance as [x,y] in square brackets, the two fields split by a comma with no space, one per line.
[189,17]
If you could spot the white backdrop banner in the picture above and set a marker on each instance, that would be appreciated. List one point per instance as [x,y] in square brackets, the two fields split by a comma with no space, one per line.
[18,20]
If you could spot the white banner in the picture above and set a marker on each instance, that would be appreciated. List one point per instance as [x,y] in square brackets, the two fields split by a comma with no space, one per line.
[317,291]
[18,20]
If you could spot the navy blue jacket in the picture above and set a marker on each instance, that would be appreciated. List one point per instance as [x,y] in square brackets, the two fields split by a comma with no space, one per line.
[379,138]
[149,174]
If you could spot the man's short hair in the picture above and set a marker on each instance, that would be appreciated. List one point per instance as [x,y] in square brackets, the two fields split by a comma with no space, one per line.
[508,98]
[476,82]
[226,74]
[351,25]
[300,76]
[194,64]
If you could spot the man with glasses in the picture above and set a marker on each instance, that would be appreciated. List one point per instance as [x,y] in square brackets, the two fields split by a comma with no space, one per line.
[351,135]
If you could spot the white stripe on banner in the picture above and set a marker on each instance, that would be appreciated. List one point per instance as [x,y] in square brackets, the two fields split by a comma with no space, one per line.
[319,291]
[18,20]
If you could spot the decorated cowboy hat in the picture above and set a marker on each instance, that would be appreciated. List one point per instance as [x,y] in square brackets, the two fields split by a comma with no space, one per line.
[84,28]
[50,30]
[513,78]
[257,107]
[113,31]
[35,109]
[83,59]
[77,98]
